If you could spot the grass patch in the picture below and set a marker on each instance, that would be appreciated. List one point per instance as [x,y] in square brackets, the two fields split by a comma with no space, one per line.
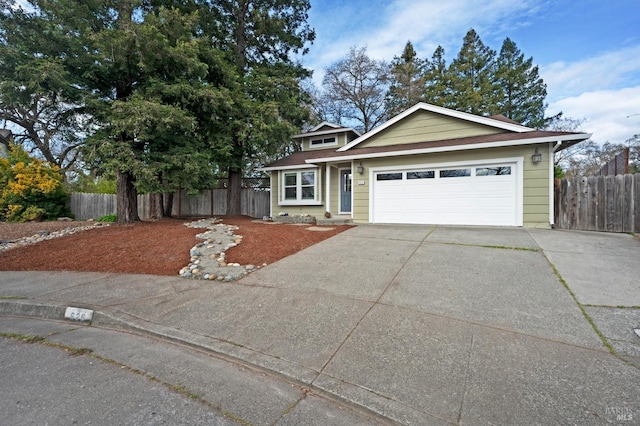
[26,338]
[13,297]
[602,337]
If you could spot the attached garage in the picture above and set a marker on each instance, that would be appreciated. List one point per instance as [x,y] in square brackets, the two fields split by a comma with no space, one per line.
[487,193]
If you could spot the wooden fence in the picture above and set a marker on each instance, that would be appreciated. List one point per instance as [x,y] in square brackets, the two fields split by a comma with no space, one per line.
[598,203]
[254,203]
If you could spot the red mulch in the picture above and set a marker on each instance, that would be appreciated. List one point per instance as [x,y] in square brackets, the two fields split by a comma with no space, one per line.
[157,248]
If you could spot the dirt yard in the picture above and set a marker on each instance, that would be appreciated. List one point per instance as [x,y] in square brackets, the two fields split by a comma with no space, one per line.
[157,248]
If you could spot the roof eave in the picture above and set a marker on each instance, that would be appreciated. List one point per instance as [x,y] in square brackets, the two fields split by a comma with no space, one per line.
[575,138]
[326,132]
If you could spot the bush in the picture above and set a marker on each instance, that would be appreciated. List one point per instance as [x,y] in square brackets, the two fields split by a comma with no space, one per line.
[108,218]
[31,188]
[32,213]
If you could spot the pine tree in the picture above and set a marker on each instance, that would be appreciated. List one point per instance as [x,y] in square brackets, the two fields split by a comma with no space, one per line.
[407,81]
[437,89]
[472,77]
[522,90]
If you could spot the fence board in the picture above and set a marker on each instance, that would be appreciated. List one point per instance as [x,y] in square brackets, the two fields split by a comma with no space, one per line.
[582,203]
[627,206]
[254,203]
[636,202]
[599,203]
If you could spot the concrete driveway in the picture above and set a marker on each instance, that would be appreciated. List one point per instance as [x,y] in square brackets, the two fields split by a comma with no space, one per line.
[423,325]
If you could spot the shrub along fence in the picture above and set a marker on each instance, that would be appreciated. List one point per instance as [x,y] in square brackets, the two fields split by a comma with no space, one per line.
[598,203]
[254,203]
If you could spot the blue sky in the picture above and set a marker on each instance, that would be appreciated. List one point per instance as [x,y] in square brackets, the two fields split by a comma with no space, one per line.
[588,51]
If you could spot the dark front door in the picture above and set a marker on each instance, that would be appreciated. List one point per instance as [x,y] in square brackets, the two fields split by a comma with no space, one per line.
[345,191]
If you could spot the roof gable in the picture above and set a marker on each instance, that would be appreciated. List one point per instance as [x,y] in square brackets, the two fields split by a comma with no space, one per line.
[325,125]
[424,122]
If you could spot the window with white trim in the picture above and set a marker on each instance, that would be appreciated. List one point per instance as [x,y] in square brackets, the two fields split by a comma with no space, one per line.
[323,141]
[299,187]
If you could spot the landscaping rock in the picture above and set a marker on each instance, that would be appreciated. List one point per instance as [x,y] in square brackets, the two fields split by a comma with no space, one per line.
[208,261]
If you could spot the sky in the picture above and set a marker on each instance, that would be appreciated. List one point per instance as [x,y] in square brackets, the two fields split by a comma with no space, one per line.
[588,51]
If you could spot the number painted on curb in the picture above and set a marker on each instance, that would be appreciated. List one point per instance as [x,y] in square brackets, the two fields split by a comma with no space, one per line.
[78,314]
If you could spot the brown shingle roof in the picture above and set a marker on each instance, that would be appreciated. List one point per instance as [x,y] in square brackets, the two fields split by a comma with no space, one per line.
[300,158]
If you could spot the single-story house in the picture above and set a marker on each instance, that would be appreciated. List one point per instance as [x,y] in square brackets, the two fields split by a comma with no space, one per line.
[427,165]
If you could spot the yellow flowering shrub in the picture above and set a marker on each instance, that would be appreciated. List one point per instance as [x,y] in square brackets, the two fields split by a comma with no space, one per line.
[28,185]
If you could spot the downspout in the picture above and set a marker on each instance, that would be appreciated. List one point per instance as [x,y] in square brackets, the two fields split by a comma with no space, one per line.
[272,193]
[327,189]
[552,206]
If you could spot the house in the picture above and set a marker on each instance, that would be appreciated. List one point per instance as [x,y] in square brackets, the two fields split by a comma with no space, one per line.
[427,165]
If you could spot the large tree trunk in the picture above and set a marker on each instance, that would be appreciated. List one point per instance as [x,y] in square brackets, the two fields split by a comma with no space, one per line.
[234,191]
[156,207]
[167,204]
[126,198]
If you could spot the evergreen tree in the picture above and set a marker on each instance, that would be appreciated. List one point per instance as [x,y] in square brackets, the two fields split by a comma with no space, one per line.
[407,81]
[437,85]
[472,77]
[259,37]
[522,90]
[40,94]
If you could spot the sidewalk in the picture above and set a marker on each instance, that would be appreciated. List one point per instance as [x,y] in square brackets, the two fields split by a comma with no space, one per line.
[418,324]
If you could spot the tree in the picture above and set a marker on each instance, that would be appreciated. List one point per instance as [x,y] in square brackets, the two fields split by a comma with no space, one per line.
[407,81]
[589,158]
[472,77]
[259,37]
[437,85]
[39,91]
[522,91]
[358,84]
[569,158]
[163,95]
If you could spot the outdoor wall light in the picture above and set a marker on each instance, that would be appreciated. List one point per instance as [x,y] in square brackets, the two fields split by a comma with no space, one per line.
[360,168]
[536,157]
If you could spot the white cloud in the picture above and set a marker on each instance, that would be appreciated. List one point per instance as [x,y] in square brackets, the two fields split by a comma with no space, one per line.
[605,112]
[432,22]
[384,30]
[609,70]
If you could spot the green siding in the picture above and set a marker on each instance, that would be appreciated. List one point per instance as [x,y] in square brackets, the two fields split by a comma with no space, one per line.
[535,182]
[425,126]
[342,138]
[535,178]
[313,210]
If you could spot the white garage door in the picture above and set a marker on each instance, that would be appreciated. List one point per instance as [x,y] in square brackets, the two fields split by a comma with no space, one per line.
[461,195]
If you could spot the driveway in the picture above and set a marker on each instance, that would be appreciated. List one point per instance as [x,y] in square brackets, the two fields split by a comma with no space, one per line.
[424,325]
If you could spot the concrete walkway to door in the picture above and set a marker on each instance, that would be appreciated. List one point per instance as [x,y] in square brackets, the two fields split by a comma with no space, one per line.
[419,324]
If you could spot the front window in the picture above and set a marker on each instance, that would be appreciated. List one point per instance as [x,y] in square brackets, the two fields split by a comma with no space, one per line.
[300,187]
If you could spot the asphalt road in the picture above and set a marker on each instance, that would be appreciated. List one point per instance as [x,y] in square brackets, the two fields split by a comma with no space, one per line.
[126,379]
